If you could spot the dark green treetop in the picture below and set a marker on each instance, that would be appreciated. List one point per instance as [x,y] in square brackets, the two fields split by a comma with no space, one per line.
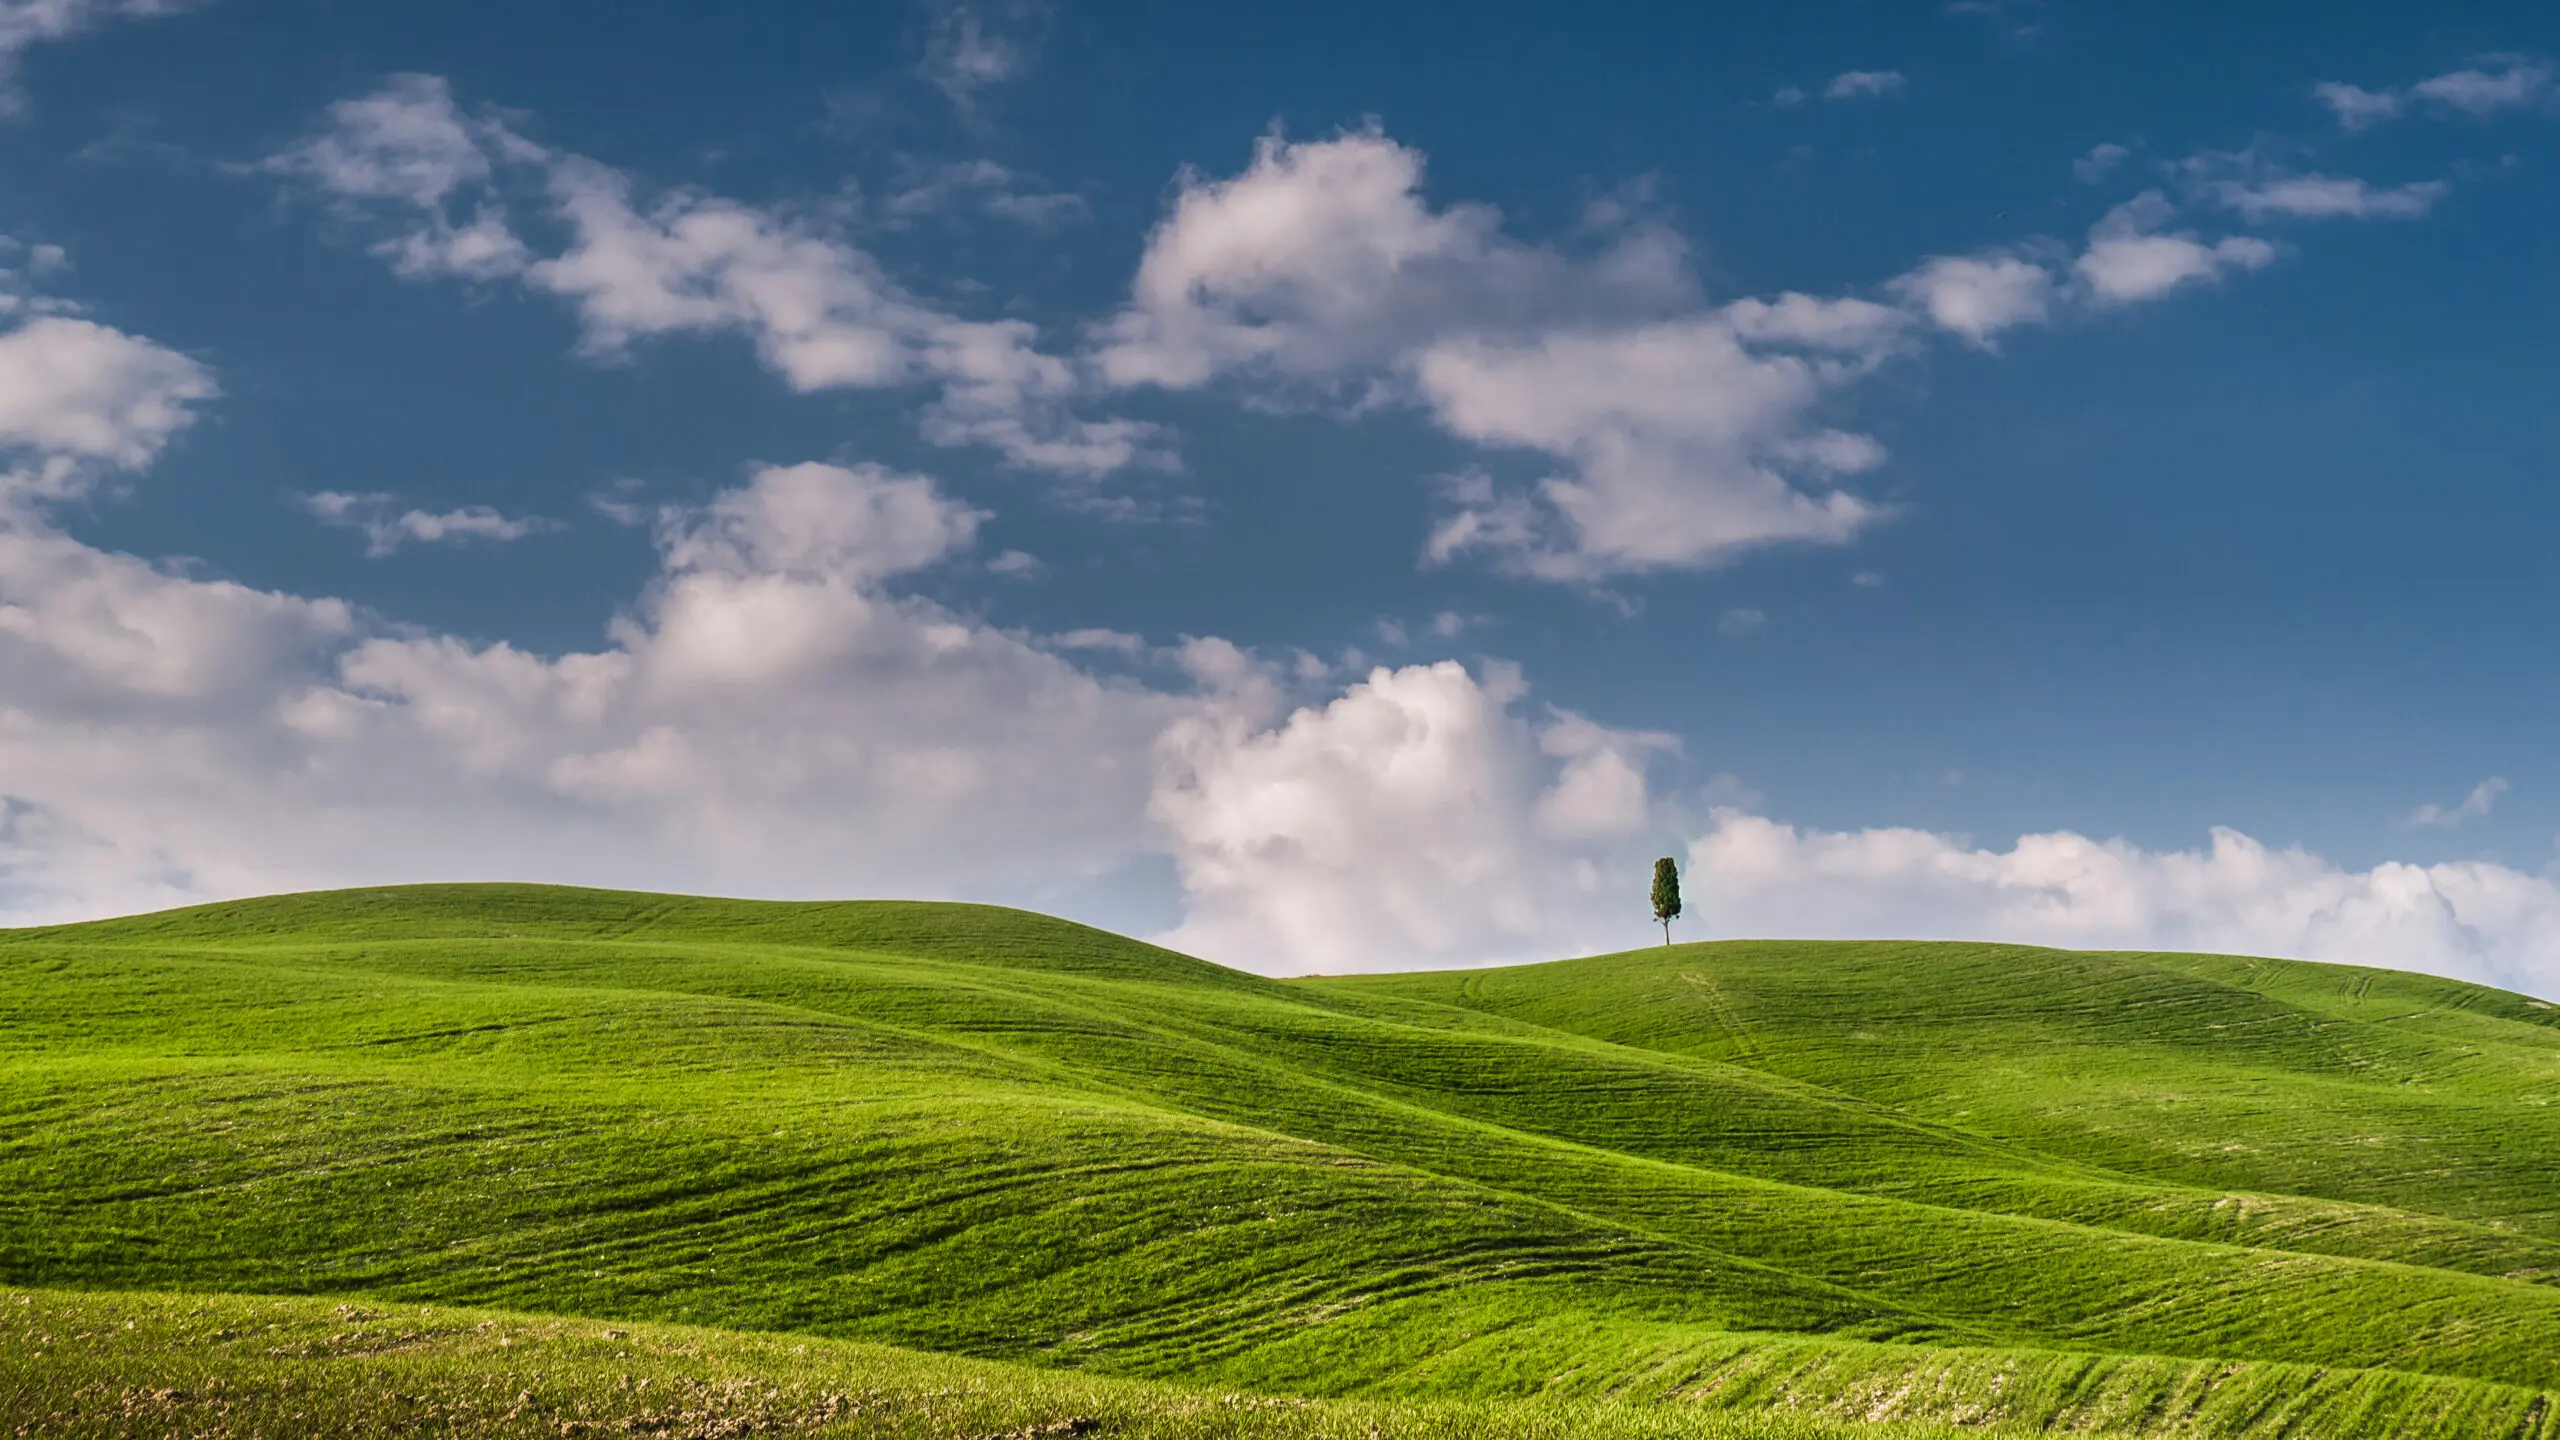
[1666,894]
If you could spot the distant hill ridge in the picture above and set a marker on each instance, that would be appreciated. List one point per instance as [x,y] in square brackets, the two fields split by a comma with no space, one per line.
[981,933]
[2144,1193]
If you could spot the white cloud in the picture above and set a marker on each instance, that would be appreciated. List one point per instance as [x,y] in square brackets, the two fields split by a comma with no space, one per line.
[1788,97]
[1420,818]
[975,47]
[22,268]
[2497,84]
[1324,256]
[407,142]
[2001,16]
[1688,432]
[410,145]
[2481,93]
[2130,260]
[861,525]
[387,527]
[2099,163]
[1689,444]
[823,315]
[2355,106]
[85,630]
[1681,433]
[2262,188]
[770,717]
[2472,806]
[25,24]
[2476,921]
[1414,819]
[985,185]
[1864,84]
[1978,296]
[1118,642]
[77,397]
[821,312]
[2323,197]
[1741,621]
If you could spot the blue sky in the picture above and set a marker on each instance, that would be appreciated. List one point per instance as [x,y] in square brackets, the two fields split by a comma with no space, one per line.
[1338,487]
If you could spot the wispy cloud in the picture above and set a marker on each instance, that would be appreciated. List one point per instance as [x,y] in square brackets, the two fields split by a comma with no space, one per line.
[2355,106]
[2261,185]
[2491,85]
[1865,84]
[25,24]
[2003,16]
[824,313]
[2323,197]
[387,527]
[2486,92]
[986,186]
[2473,806]
[972,46]
[2099,163]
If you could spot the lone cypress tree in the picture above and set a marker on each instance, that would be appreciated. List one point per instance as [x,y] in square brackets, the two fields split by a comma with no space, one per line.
[1666,894]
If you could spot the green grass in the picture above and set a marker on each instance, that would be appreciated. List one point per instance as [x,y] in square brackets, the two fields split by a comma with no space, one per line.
[1961,1183]
[90,1365]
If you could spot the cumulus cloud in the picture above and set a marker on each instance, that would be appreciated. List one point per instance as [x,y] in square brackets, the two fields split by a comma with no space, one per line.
[78,398]
[769,716]
[1417,817]
[1323,255]
[1978,296]
[410,145]
[773,717]
[2471,807]
[1689,442]
[821,312]
[1687,433]
[1423,817]
[387,527]
[1864,84]
[25,24]
[1680,433]
[2476,921]
[772,696]
[2131,259]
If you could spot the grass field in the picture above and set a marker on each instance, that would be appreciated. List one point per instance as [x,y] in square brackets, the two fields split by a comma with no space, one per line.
[1669,1191]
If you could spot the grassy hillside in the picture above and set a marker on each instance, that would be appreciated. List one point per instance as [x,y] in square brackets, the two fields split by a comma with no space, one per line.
[1870,1181]
[89,1365]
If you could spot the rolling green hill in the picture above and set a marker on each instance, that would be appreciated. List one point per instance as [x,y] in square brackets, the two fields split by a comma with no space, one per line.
[1868,1182]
